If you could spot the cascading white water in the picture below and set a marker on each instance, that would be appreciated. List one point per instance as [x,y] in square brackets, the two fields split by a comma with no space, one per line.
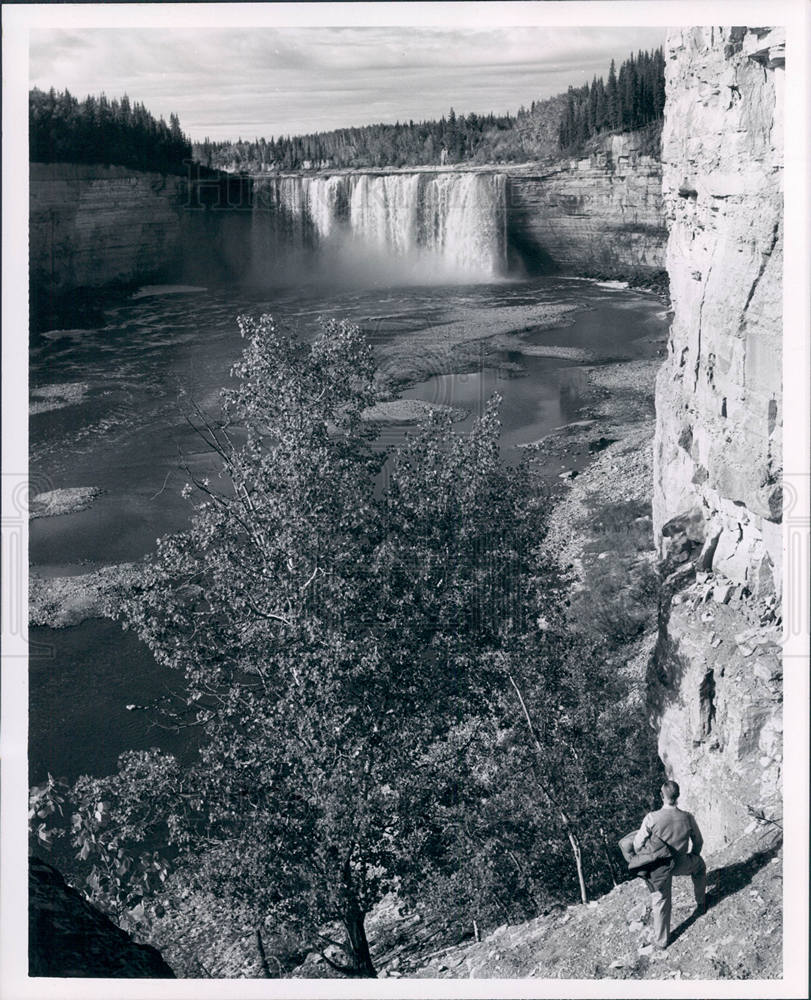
[443,226]
[464,220]
[384,211]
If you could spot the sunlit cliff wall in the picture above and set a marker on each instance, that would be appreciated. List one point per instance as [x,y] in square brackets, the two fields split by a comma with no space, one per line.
[716,679]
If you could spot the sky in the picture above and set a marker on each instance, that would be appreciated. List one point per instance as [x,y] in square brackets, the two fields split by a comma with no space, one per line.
[263,81]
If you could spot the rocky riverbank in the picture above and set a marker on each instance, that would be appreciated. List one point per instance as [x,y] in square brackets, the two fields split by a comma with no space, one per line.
[602,516]
[600,530]
[619,431]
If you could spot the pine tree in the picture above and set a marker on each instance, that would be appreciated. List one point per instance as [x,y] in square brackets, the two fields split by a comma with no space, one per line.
[612,98]
[659,84]
[600,106]
[98,130]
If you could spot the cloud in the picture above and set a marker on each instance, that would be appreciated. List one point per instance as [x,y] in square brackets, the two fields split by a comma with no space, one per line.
[271,81]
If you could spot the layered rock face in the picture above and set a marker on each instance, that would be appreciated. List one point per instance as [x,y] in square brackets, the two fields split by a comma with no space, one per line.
[91,226]
[601,213]
[716,679]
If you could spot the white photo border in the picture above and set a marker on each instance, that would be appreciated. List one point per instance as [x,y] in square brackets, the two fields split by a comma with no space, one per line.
[18,21]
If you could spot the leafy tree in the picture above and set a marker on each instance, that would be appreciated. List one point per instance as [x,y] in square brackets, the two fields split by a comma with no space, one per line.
[332,637]
[554,772]
[381,686]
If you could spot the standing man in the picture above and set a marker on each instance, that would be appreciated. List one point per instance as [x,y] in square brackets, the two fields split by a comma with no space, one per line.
[679,830]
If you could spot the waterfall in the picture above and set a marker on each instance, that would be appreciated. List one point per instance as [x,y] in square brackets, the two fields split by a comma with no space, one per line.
[384,210]
[465,221]
[421,226]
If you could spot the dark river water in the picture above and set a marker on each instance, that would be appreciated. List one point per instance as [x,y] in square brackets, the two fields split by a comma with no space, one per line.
[138,372]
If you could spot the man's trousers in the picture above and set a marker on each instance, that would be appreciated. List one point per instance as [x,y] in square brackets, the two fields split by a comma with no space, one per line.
[661,895]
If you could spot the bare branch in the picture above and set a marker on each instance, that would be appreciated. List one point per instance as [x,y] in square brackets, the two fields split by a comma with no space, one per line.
[315,573]
[165,481]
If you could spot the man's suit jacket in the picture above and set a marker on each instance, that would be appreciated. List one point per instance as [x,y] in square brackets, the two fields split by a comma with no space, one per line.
[654,862]
[676,827]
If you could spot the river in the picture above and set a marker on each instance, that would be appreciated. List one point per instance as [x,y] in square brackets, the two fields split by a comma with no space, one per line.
[129,384]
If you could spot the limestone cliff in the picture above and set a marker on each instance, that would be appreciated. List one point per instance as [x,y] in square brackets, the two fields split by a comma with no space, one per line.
[716,677]
[602,213]
[94,226]
[91,226]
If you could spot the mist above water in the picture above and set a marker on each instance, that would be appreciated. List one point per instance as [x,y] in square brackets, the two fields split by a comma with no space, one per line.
[372,229]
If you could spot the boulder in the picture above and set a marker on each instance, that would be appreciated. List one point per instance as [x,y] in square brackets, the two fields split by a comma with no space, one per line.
[68,937]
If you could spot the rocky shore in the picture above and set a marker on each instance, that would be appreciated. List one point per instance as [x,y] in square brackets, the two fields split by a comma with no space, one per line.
[619,433]
[600,530]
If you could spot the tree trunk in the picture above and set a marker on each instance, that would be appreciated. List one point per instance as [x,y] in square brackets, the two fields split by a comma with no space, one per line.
[578,860]
[358,946]
[609,862]
[552,799]
[260,947]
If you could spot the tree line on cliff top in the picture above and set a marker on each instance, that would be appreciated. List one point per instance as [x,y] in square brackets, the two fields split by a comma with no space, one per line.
[382,689]
[453,138]
[97,130]
[63,129]
[630,98]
